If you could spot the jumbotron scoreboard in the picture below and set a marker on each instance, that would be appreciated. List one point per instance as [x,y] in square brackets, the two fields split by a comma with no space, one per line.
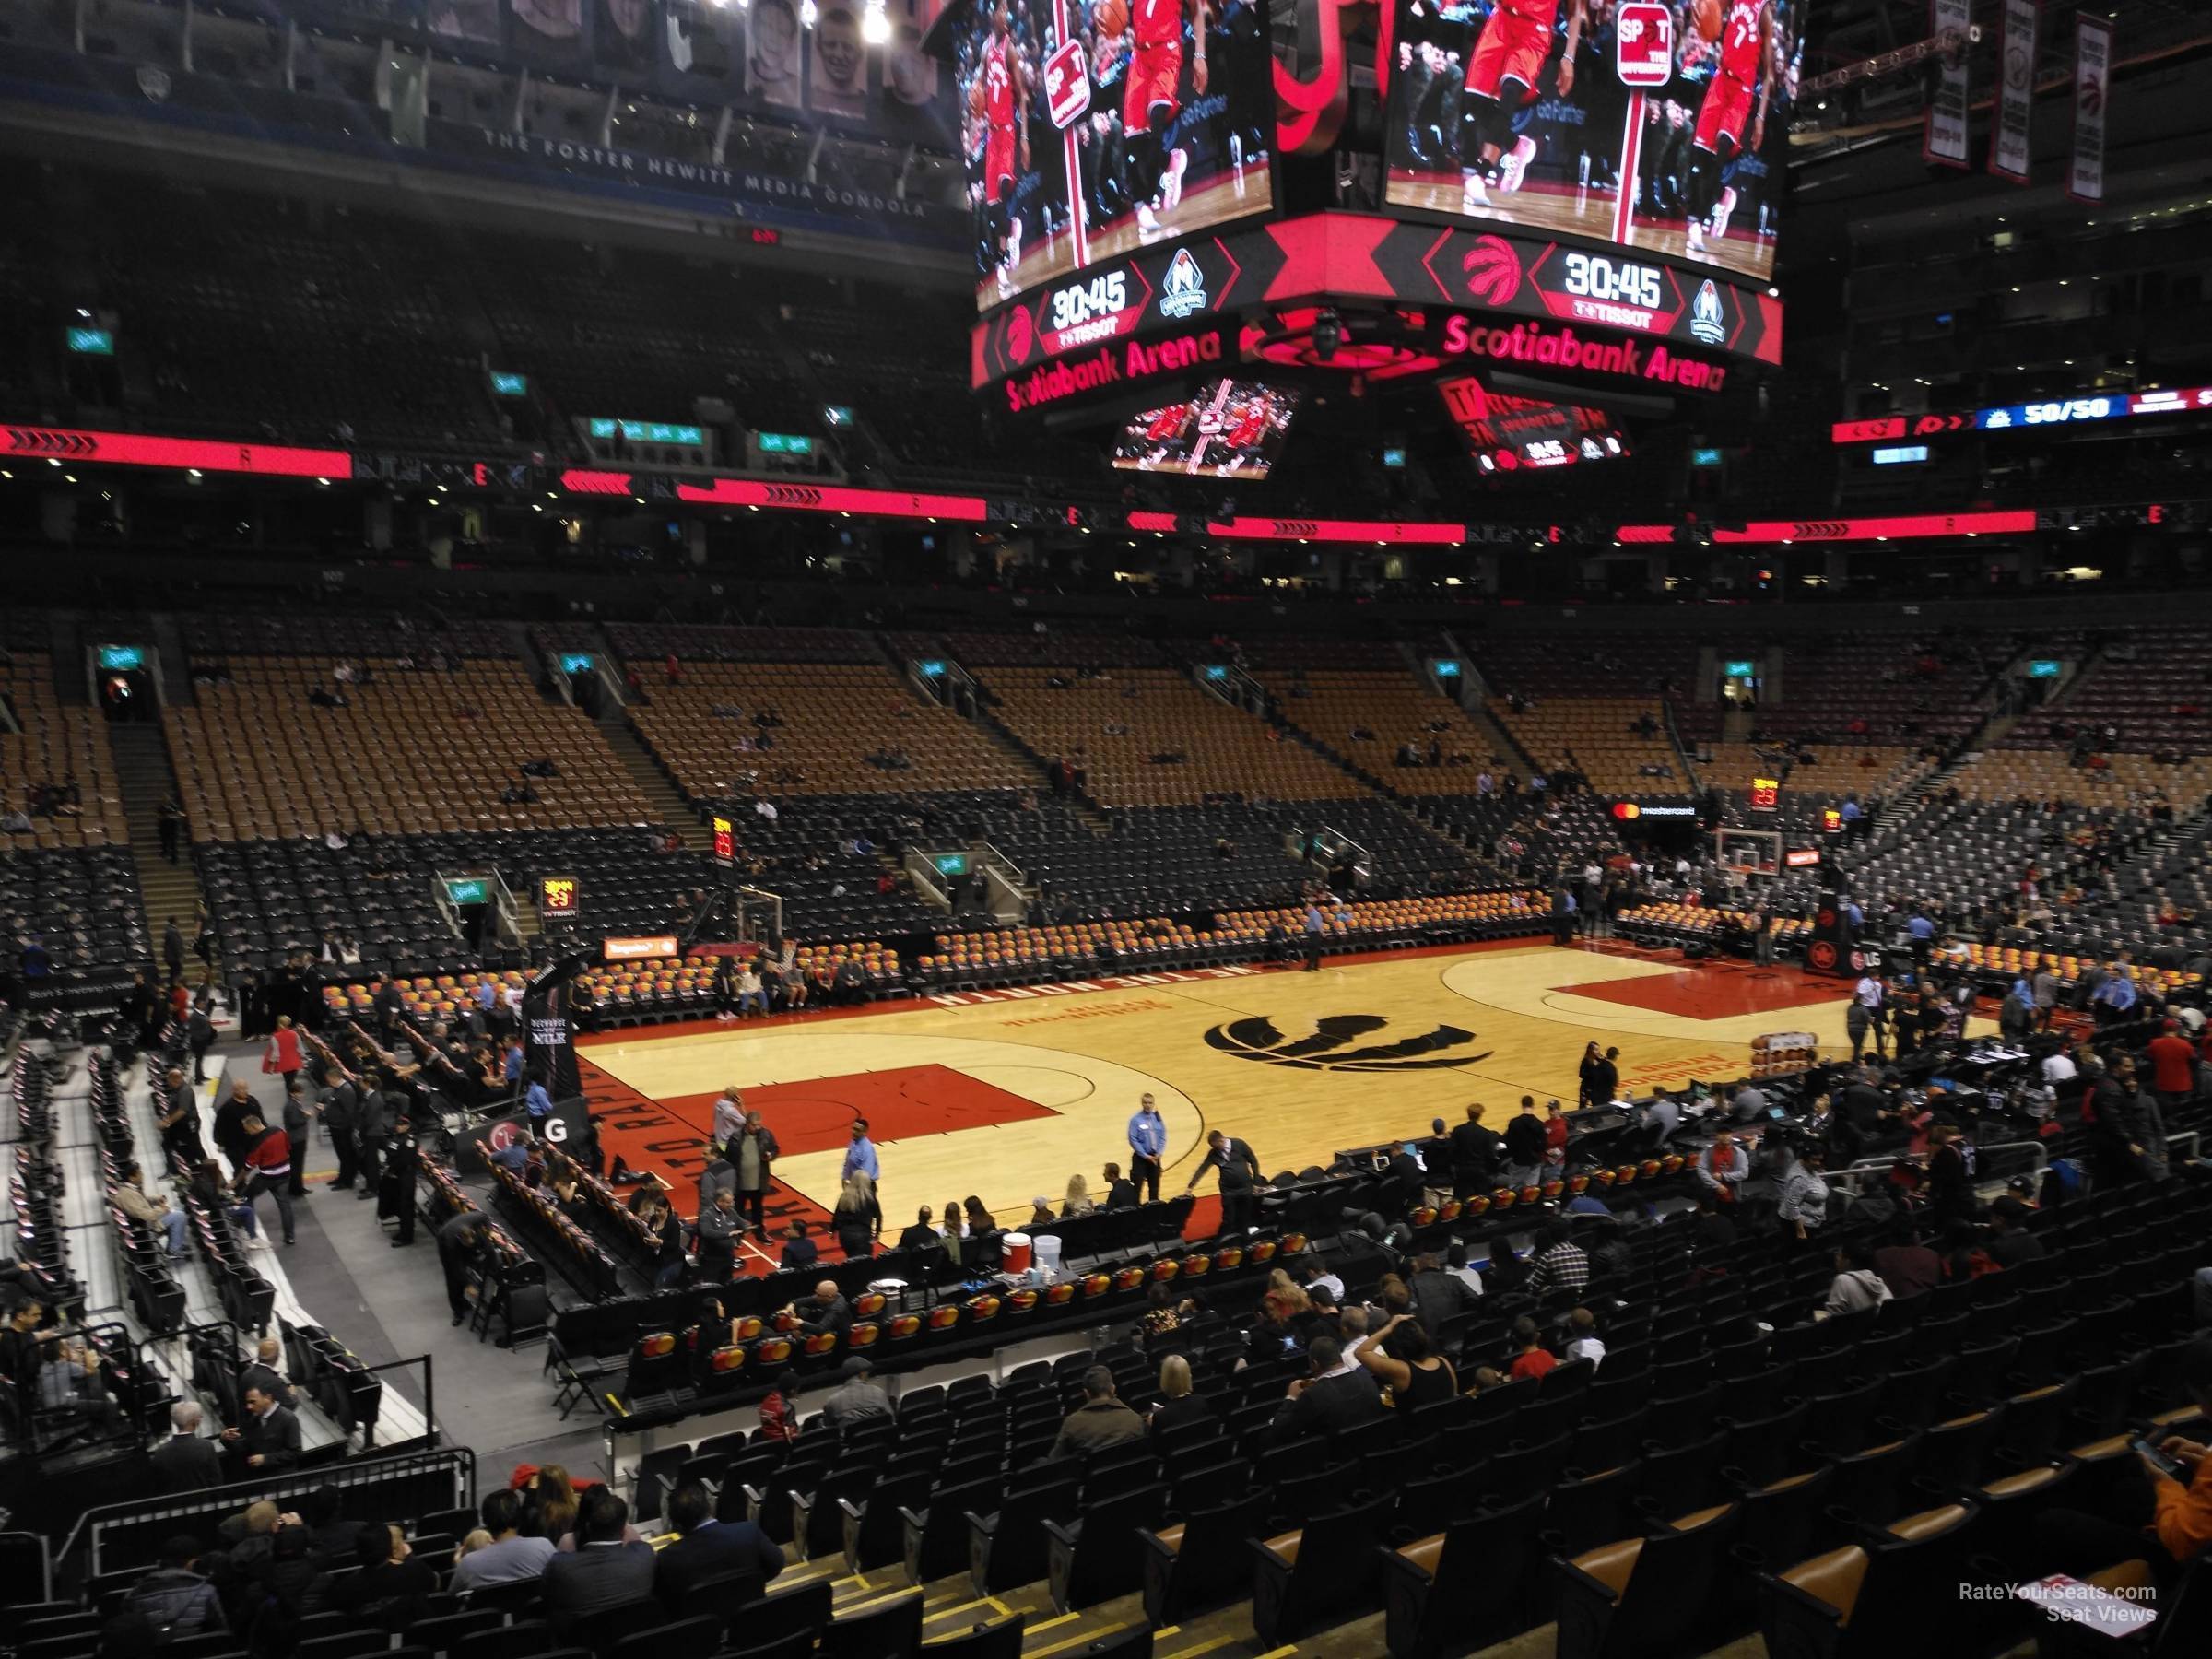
[1557,217]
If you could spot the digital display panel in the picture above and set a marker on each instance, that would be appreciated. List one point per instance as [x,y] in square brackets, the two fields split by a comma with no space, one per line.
[1093,127]
[556,895]
[1506,434]
[1229,429]
[1621,123]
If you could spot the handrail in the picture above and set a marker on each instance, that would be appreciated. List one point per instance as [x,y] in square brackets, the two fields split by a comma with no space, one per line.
[215,1502]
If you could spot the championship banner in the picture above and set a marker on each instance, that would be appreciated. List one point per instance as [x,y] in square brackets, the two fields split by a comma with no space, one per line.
[2092,91]
[1945,140]
[2009,127]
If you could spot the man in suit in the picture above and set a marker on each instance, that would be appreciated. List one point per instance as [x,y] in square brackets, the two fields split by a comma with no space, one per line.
[707,1548]
[1340,1394]
[270,1435]
[267,1372]
[1241,1177]
[185,1463]
[604,1571]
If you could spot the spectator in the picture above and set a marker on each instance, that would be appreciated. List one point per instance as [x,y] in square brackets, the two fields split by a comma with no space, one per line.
[1905,1264]
[1856,1286]
[859,1395]
[708,1549]
[508,1558]
[1101,1422]
[186,1462]
[391,1589]
[921,1235]
[1403,1358]
[1439,1295]
[858,1218]
[1120,1193]
[752,1153]
[1525,1145]
[2010,1242]
[1721,1167]
[176,1598]
[800,1251]
[130,1196]
[607,1569]
[1076,1201]
[1801,1207]
[1583,1340]
[1177,1404]
[826,1312]
[720,1228]
[1530,1358]
[1560,1264]
[1337,1394]
[461,1238]
[270,1434]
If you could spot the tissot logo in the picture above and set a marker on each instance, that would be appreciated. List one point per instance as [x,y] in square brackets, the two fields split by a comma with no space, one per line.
[1330,1047]
[1706,320]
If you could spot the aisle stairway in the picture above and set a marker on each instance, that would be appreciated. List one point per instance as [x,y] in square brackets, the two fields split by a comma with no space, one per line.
[668,803]
[144,780]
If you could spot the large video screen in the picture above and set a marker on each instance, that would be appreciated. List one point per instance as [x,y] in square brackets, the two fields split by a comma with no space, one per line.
[1517,110]
[1092,128]
[1229,429]
[1506,434]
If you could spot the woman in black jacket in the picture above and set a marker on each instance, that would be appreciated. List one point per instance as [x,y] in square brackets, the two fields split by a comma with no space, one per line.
[858,1218]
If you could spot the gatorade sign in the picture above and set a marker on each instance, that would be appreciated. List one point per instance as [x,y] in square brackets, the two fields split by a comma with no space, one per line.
[1644,44]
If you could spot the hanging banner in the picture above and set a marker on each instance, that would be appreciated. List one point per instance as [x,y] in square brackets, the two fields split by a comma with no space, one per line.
[2008,129]
[2092,90]
[1945,139]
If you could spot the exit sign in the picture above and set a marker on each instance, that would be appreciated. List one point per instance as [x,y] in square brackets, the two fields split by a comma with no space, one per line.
[1644,44]
[93,342]
[785,443]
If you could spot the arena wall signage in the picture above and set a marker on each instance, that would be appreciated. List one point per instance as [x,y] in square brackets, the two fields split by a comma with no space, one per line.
[1913,527]
[68,445]
[2013,417]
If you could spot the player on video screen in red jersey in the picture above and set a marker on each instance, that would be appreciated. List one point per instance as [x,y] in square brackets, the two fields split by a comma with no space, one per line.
[1151,99]
[1006,135]
[1747,56]
[1502,72]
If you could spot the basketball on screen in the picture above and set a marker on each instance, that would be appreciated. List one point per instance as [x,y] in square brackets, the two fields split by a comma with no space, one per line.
[1706,15]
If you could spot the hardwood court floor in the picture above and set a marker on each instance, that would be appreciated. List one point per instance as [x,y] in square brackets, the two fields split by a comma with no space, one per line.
[1004,1096]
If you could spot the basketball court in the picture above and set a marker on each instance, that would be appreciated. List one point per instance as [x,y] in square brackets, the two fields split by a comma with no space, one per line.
[1002,1095]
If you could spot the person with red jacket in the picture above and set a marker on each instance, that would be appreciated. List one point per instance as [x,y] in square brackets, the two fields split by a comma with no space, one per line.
[268,1169]
[282,1056]
[2173,1065]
